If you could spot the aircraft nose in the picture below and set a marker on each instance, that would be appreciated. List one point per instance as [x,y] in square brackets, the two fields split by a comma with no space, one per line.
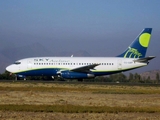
[9,68]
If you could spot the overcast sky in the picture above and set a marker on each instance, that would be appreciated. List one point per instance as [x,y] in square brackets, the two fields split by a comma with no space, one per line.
[100,27]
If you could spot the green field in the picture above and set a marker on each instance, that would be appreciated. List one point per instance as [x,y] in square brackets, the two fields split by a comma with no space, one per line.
[79,98]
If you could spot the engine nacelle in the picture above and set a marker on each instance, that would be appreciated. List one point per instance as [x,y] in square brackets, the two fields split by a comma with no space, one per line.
[21,76]
[75,75]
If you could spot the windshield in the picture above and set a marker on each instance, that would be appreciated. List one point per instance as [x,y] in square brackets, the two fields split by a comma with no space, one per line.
[17,62]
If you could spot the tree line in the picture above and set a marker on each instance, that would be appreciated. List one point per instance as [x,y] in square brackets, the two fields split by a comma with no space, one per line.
[118,78]
[131,78]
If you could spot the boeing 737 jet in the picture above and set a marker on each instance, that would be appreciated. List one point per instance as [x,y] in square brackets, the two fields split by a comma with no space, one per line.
[86,67]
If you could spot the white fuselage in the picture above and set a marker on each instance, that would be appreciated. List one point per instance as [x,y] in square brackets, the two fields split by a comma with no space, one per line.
[52,65]
[86,67]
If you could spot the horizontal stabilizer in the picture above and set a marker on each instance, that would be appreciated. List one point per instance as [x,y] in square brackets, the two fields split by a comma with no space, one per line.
[146,59]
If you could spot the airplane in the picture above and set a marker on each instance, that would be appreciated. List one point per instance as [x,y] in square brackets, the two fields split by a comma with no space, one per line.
[86,67]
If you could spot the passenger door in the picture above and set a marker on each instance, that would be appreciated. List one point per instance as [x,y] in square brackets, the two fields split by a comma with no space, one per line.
[29,64]
[119,64]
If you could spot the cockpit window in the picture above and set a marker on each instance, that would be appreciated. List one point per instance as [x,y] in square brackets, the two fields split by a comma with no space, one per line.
[17,62]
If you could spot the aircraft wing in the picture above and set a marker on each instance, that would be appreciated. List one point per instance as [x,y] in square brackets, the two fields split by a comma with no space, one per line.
[84,69]
[146,59]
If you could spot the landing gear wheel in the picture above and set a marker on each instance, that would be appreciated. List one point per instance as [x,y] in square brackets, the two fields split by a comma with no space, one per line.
[80,80]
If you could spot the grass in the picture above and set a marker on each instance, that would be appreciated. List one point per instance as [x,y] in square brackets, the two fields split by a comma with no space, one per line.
[127,91]
[68,108]
[99,90]
[76,109]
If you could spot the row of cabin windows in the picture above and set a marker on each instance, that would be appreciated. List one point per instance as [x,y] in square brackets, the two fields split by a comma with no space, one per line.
[71,63]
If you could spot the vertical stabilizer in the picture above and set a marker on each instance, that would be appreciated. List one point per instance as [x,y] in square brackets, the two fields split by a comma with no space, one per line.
[139,46]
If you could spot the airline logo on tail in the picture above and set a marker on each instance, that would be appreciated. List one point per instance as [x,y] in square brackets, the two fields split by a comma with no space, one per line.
[139,47]
[132,52]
